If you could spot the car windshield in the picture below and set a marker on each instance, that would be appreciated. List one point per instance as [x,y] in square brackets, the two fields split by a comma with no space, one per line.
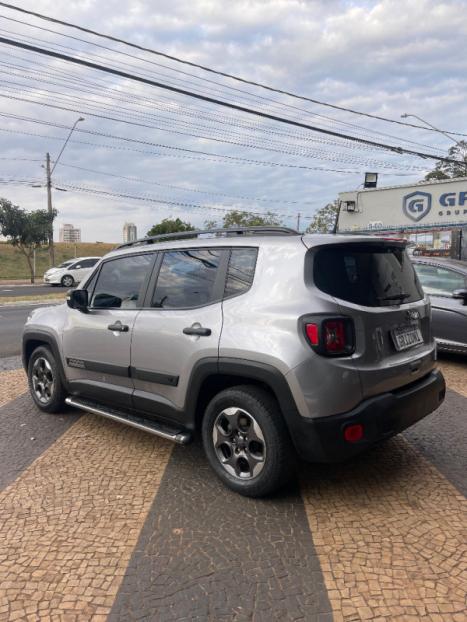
[65,264]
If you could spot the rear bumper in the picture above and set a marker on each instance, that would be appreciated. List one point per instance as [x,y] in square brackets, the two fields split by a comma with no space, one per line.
[383,416]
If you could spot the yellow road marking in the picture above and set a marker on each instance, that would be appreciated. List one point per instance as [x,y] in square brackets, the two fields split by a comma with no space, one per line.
[391,535]
[69,523]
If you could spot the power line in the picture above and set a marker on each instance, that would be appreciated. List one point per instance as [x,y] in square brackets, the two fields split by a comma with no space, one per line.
[331,119]
[143,102]
[185,149]
[224,135]
[181,188]
[214,71]
[219,102]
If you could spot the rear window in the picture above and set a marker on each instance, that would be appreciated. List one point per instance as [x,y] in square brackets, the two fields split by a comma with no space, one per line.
[368,275]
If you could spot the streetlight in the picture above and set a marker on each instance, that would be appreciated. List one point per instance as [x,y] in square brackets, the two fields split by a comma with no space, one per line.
[414,116]
[49,190]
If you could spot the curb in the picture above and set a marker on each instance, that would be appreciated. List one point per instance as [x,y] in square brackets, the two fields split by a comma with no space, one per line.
[32,303]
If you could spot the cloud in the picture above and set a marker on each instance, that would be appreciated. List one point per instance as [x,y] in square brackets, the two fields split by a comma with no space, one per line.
[385,57]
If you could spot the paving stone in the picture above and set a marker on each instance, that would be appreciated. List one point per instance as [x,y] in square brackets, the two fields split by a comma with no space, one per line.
[12,384]
[21,421]
[78,511]
[207,553]
[10,362]
[454,369]
[391,526]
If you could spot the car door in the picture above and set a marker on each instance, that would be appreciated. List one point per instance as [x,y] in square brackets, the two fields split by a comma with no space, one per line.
[449,315]
[96,344]
[179,326]
[82,268]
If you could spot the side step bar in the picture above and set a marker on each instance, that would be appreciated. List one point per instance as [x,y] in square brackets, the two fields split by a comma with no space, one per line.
[140,423]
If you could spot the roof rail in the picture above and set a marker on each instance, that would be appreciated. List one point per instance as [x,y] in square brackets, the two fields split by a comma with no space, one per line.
[232,231]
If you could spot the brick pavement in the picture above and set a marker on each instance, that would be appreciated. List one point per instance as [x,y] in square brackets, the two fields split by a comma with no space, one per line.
[98,521]
[12,384]
[207,554]
[391,535]
[69,522]
[455,372]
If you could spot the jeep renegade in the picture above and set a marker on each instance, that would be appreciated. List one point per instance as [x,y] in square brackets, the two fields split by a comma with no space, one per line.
[268,342]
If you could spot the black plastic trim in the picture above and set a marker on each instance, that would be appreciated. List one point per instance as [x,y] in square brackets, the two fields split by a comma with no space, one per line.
[322,439]
[102,392]
[46,339]
[153,376]
[97,366]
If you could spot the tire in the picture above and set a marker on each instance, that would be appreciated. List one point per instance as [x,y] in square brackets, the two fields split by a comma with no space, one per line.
[44,381]
[246,441]
[67,281]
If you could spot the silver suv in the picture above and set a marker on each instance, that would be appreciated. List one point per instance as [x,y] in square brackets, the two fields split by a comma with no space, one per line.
[268,342]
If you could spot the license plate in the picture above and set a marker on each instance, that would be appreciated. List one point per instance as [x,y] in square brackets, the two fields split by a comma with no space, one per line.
[406,337]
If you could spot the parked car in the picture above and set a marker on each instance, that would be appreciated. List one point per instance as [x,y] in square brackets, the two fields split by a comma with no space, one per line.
[445,281]
[268,342]
[70,272]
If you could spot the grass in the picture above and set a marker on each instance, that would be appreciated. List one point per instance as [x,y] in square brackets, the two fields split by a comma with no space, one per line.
[13,264]
[45,298]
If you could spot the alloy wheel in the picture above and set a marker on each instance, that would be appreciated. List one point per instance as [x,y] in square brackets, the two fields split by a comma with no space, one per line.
[43,381]
[239,443]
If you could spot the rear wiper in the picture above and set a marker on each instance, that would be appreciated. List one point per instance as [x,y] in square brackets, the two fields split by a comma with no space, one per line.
[400,296]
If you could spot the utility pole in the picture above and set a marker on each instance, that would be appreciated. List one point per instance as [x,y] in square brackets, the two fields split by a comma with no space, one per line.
[49,209]
[298,221]
[49,190]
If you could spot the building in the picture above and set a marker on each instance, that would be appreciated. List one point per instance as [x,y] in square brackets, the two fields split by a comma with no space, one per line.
[129,232]
[70,234]
[427,208]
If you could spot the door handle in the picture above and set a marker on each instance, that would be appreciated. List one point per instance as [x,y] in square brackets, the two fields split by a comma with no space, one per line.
[197,330]
[118,327]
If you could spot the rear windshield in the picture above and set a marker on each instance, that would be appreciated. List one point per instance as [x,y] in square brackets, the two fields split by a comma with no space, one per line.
[368,275]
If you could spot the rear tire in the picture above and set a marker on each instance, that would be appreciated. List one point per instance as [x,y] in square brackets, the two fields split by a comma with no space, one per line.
[246,441]
[44,380]
[67,281]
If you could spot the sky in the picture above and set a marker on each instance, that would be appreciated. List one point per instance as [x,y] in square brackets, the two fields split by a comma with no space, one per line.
[162,155]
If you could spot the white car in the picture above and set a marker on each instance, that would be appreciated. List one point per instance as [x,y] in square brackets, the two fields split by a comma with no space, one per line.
[70,272]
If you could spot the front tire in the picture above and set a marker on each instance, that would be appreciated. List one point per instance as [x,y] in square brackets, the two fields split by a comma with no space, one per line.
[246,441]
[67,281]
[44,380]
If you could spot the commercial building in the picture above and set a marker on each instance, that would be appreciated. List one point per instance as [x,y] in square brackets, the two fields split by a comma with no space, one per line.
[70,234]
[434,208]
[129,232]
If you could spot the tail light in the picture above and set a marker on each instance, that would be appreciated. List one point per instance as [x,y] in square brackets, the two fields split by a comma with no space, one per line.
[331,336]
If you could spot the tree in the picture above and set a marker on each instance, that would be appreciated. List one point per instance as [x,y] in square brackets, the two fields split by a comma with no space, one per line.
[210,224]
[169,225]
[448,170]
[324,219]
[236,218]
[27,231]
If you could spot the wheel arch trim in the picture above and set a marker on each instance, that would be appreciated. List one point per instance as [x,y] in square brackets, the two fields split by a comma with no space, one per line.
[42,338]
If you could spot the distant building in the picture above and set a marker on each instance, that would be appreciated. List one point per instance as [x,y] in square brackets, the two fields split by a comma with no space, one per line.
[129,232]
[69,233]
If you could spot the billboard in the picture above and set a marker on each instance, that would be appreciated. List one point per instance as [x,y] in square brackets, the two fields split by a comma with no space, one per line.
[428,205]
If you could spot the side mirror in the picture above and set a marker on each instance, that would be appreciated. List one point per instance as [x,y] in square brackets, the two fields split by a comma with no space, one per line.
[460,294]
[78,299]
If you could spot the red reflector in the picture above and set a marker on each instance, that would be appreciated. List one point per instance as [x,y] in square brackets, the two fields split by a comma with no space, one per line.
[334,335]
[312,334]
[353,433]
